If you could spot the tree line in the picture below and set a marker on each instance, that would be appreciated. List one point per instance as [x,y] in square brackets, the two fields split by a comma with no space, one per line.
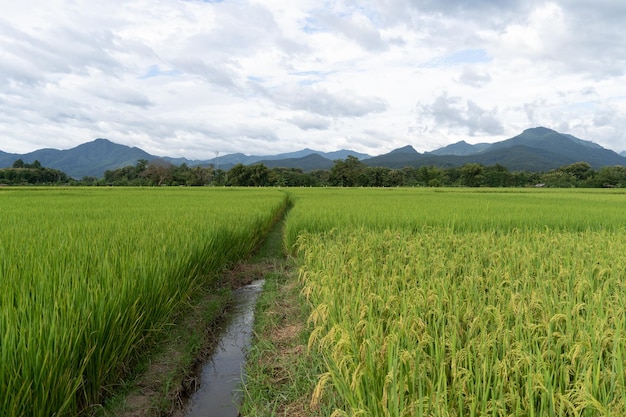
[22,173]
[349,172]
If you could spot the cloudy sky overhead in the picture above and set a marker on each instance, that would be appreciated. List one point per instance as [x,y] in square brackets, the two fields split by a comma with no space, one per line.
[192,78]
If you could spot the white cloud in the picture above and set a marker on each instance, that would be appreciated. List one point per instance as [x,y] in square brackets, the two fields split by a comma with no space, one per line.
[188,78]
[453,113]
[309,121]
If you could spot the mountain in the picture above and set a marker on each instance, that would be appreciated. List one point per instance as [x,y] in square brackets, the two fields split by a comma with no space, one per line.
[227,161]
[88,159]
[95,157]
[7,159]
[559,148]
[461,148]
[536,149]
[623,153]
[308,163]
[397,158]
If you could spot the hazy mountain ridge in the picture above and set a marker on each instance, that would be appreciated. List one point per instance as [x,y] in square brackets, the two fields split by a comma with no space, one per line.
[536,149]
[461,148]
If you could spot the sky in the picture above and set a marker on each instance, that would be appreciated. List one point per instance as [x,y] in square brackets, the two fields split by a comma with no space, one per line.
[199,78]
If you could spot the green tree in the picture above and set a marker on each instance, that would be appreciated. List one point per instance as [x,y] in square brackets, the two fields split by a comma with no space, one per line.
[345,173]
[430,176]
[611,177]
[579,170]
[472,174]
[496,176]
[259,175]
[558,179]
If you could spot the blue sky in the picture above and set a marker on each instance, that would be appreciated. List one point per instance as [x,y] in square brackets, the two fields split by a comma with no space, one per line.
[192,78]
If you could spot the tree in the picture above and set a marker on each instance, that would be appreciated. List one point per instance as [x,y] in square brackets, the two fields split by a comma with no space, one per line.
[239,176]
[430,176]
[346,172]
[18,164]
[472,174]
[259,176]
[581,171]
[610,177]
[200,176]
[496,176]
[558,179]
[159,172]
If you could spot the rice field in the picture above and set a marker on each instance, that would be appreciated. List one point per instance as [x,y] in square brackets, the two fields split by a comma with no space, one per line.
[464,302]
[424,302]
[89,276]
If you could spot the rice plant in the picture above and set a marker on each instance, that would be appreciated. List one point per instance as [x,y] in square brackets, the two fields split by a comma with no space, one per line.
[88,276]
[447,307]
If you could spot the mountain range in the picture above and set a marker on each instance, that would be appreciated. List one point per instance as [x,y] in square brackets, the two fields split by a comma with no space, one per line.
[535,149]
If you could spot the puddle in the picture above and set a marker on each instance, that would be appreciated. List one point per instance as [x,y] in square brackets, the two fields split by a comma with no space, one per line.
[220,380]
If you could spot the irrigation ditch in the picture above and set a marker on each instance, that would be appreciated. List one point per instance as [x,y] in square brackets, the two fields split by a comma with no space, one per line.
[195,370]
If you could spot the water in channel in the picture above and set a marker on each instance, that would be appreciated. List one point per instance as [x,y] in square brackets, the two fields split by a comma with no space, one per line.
[221,376]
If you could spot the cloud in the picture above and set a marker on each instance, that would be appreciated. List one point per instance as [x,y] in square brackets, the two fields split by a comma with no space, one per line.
[474,78]
[322,102]
[356,27]
[269,75]
[310,122]
[452,113]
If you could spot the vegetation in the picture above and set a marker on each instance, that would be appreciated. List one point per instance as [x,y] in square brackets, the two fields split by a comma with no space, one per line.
[21,174]
[88,277]
[420,301]
[463,303]
[345,173]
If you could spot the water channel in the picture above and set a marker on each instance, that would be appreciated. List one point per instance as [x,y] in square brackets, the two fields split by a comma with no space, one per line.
[221,376]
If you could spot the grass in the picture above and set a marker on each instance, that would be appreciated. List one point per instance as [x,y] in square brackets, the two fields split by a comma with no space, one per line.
[279,373]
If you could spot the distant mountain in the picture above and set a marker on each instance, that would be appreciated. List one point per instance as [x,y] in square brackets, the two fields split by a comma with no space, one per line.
[560,148]
[623,153]
[308,163]
[239,158]
[397,158]
[95,157]
[7,159]
[461,148]
[536,149]
[88,159]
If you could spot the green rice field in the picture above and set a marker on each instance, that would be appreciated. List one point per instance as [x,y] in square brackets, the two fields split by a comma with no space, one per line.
[87,276]
[424,302]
